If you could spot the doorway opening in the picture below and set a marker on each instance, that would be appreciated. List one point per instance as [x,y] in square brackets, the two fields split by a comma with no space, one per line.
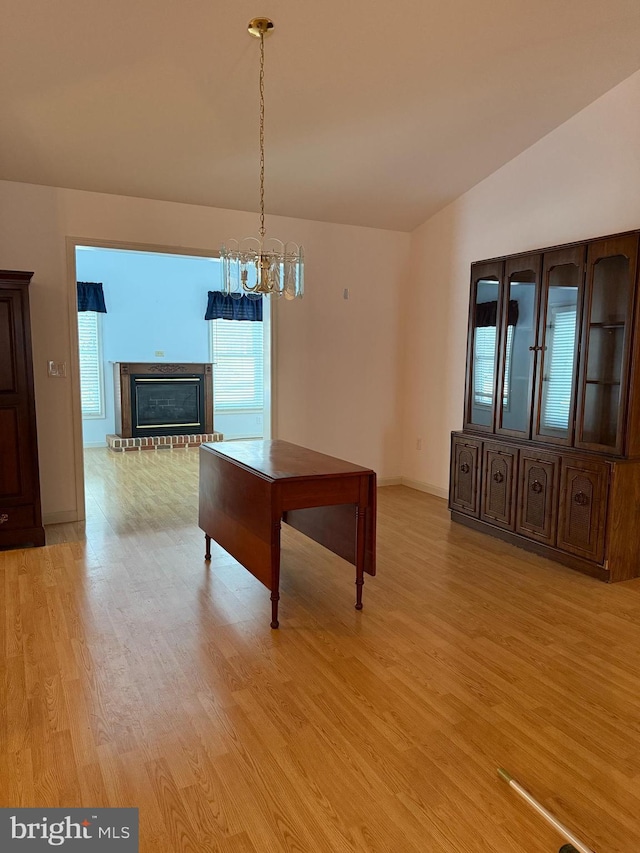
[155,375]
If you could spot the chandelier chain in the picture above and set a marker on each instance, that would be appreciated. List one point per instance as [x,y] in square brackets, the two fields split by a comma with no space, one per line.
[262,229]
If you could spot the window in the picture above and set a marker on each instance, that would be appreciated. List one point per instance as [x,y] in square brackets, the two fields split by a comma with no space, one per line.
[91,381]
[484,365]
[561,335]
[236,352]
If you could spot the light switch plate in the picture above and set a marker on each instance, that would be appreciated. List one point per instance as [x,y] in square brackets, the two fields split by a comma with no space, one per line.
[57,369]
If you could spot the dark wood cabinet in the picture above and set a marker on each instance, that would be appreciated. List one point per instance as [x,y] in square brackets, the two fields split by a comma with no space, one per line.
[583,502]
[537,498]
[464,494]
[499,466]
[553,371]
[20,514]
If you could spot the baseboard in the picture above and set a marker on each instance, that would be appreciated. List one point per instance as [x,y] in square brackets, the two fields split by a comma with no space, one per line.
[425,487]
[60,517]
[414,484]
[90,444]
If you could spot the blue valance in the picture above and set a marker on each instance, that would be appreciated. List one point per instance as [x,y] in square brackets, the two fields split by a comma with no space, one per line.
[91,297]
[223,307]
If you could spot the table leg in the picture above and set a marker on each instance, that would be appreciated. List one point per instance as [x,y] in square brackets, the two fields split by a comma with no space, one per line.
[275,572]
[360,551]
[275,598]
[207,547]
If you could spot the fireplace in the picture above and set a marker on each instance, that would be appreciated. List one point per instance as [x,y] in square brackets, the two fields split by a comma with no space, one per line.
[168,406]
[160,399]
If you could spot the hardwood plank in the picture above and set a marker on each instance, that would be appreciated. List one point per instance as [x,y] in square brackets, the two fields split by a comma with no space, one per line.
[135,675]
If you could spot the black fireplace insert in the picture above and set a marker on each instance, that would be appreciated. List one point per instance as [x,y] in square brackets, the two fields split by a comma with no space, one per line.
[167,405]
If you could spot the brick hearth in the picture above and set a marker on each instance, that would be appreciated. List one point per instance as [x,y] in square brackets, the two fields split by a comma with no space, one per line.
[160,442]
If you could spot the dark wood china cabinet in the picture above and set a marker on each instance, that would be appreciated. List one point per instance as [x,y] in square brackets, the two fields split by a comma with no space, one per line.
[549,454]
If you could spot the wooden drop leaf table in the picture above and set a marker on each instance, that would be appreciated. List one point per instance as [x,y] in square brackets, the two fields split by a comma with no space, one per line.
[248,488]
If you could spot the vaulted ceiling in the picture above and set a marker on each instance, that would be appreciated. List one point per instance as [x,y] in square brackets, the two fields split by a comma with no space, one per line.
[378,113]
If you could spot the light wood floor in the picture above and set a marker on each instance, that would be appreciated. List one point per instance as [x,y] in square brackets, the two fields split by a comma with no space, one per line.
[136,676]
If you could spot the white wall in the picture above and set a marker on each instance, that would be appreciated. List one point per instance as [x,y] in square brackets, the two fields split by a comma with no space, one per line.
[338,360]
[580,181]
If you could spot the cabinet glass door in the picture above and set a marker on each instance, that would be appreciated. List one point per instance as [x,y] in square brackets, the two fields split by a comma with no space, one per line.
[558,344]
[483,341]
[605,341]
[483,346]
[517,347]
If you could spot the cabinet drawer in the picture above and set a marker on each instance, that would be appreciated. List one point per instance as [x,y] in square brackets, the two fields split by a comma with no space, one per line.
[464,484]
[16,518]
[499,465]
[583,504]
[537,495]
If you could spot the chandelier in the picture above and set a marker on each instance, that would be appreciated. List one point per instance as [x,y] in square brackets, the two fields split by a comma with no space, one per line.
[261,265]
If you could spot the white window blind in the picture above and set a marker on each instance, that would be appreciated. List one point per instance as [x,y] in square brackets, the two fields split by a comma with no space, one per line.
[484,365]
[236,352]
[561,336]
[507,367]
[91,384]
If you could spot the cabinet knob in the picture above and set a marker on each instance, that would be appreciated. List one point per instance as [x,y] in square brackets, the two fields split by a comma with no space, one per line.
[581,499]
[536,487]
[498,476]
[4,517]
[464,468]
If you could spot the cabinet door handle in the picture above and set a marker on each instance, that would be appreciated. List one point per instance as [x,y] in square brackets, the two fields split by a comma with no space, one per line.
[4,517]
[581,499]
[464,468]
[536,487]
[533,349]
[498,476]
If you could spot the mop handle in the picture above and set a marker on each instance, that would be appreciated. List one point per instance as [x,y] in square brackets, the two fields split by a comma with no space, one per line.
[561,828]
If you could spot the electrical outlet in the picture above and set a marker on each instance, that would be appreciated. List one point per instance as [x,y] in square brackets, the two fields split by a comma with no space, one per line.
[159,353]
[345,293]
[418,444]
